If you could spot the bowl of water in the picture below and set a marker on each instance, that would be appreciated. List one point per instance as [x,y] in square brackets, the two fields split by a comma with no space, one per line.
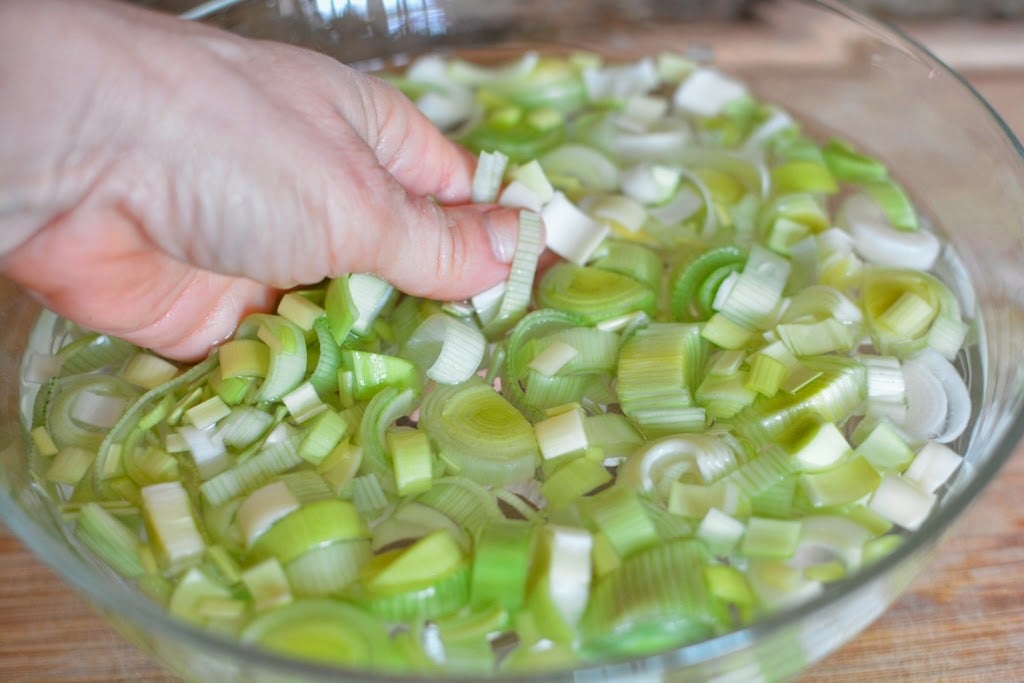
[843,77]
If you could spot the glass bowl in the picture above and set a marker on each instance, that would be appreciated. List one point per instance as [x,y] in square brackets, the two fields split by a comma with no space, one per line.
[832,67]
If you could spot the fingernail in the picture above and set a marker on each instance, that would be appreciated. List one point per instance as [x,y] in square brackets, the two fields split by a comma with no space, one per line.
[502,227]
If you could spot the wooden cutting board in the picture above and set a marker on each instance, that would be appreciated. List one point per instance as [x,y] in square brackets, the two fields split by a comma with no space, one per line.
[963,620]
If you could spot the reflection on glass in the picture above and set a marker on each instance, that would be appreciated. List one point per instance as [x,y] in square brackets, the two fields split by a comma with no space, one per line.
[423,17]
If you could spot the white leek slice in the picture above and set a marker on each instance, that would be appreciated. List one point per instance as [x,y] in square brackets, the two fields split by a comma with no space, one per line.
[268,584]
[561,434]
[707,92]
[207,449]
[777,122]
[519,196]
[531,174]
[571,233]
[300,310]
[97,409]
[447,108]
[171,523]
[619,210]
[467,73]
[938,402]
[933,465]
[553,358]
[710,216]
[450,350]
[902,501]
[487,302]
[752,298]
[661,463]
[262,508]
[642,111]
[825,446]
[519,286]
[429,69]
[683,204]
[69,465]
[885,381]
[650,183]
[621,80]
[592,169]
[276,457]
[720,531]
[148,371]
[369,294]
[489,175]
[663,143]
[191,591]
[569,571]
[831,536]
[479,433]
[207,413]
[877,241]
[674,67]
[303,402]
[820,301]
[287,345]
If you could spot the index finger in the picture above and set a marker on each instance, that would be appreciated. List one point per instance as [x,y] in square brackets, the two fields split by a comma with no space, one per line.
[411,148]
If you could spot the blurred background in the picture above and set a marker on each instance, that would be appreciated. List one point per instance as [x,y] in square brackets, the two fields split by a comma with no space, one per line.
[898,9]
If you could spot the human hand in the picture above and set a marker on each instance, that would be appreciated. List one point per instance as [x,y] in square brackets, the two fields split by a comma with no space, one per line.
[160,179]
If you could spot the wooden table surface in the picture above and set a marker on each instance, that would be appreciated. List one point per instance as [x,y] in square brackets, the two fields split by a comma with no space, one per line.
[962,620]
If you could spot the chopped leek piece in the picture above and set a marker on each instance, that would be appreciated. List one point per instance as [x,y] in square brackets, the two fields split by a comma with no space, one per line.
[618,514]
[479,431]
[844,483]
[574,479]
[561,435]
[267,585]
[70,465]
[932,466]
[148,371]
[429,559]
[300,310]
[774,538]
[111,539]
[412,458]
[501,561]
[571,233]
[262,508]
[658,599]
[902,501]
[324,433]
[310,526]
[43,442]
[171,523]
[321,630]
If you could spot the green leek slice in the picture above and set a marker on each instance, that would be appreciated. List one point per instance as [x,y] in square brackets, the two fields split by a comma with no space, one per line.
[593,293]
[314,525]
[325,631]
[480,433]
[658,599]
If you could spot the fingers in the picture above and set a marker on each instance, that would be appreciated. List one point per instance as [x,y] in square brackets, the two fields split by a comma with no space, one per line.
[98,271]
[406,144]
[447,253]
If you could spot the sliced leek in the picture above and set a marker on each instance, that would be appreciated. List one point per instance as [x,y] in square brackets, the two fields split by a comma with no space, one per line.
[735,380]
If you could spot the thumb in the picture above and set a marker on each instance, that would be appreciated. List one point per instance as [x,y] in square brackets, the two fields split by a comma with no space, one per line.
[446,252]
